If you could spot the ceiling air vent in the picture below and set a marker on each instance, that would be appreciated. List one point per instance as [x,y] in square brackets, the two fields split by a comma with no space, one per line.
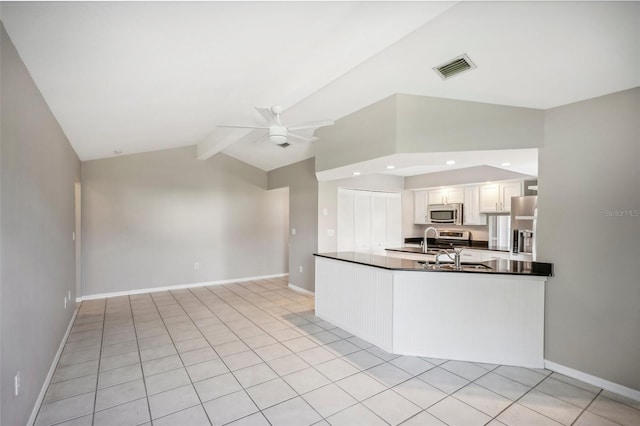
[454,67]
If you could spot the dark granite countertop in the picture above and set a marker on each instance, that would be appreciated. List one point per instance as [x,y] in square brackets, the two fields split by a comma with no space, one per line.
[504,267]
[436,247]
[472,244]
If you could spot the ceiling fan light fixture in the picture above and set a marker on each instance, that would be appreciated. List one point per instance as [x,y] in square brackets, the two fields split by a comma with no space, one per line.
[278,139]
[278,135]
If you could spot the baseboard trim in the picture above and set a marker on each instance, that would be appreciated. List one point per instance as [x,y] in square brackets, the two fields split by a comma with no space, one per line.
[593,380]
[177,287]
[52,369]
[300,289]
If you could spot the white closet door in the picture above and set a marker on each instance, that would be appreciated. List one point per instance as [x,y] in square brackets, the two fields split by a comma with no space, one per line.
[362,220]
[394,221]
[378,220]
[345,232]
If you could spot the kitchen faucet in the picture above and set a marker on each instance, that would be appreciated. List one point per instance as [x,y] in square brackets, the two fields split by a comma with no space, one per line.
[424,241]
[457,259]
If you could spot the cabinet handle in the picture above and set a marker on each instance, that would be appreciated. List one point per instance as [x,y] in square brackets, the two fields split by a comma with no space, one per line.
[496,206]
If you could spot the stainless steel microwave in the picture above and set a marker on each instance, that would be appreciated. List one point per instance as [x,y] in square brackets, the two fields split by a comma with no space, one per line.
[450,214]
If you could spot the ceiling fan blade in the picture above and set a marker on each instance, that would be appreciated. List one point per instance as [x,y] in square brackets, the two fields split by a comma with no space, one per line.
[269,116]
[243,127]
[314,124]
[304,138]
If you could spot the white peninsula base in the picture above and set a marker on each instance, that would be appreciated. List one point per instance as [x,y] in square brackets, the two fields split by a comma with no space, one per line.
[490,318]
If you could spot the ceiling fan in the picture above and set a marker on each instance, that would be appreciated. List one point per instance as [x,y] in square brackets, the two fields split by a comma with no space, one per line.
[278,133]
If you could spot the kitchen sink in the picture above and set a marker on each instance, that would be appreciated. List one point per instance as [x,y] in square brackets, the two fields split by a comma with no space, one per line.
[451,267]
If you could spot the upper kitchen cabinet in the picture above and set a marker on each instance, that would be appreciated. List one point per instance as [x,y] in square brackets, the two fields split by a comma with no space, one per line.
[420,207]
[496,197]
[471,209]
[445,196]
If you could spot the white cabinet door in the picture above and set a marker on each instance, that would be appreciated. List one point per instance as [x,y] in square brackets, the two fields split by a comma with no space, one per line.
[495,255]
[454,196]
[420,207]
[362,220]
[489,198]
[508,190]
[471,208]
[496,197]
[394,220]
[378,220]
[470,255]
[445,196]
[345,231]
[436,196]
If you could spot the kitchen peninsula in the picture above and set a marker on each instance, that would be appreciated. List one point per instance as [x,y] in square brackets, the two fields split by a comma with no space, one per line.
[491,312]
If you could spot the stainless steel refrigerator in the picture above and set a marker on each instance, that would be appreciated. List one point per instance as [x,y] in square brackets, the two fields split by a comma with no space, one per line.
[524,212]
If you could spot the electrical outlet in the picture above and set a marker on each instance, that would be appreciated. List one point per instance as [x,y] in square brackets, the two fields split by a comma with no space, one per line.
[69,295]
[16,384]
[300,268]
[65,302]
[196,265]
[293,231]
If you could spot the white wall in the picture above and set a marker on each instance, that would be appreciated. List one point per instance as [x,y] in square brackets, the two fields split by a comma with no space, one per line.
[148,218]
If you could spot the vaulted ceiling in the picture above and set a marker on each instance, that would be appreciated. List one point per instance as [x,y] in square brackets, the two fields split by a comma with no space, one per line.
[143,76]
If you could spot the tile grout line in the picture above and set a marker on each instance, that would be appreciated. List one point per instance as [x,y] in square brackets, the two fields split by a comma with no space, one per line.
[179,357]
[311,366]
[525,394]
[265,362]
[587,406]
[135,332]
[95,398]
[319,372]
[225,364]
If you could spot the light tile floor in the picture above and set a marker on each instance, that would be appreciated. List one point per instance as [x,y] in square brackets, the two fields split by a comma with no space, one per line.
[253,353]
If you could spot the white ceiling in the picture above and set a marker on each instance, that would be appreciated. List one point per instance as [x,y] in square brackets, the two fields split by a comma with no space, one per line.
[153,75]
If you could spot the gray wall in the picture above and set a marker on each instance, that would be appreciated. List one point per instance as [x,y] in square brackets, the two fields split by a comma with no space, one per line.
[407,123]
[301,180]
[148,218]
[589,169]
[39,169]
[363,135]
[428,124]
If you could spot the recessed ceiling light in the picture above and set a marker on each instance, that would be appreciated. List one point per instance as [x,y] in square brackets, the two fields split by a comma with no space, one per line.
[117,151]
[356,173]
[391,167]
[451,162]
[505,164]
